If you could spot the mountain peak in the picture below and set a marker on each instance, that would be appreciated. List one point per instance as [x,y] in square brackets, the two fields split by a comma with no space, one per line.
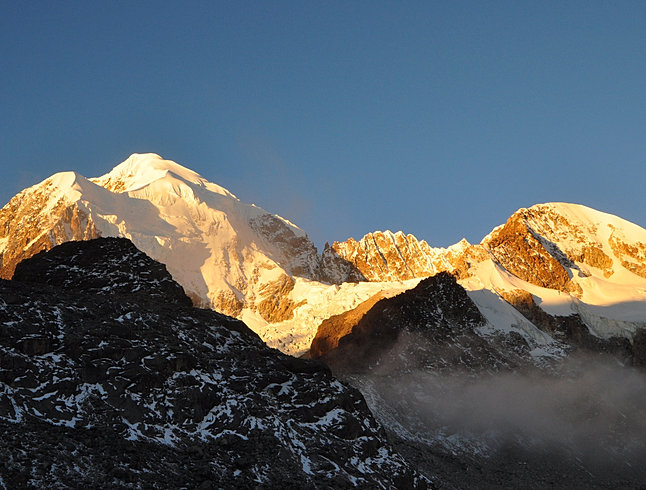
[142,169]
[63,180]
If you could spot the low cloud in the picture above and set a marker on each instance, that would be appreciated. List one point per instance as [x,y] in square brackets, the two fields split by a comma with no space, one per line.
[593,409]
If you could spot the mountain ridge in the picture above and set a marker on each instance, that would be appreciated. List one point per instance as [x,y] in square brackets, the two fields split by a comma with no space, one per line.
[239,259]
[109,378]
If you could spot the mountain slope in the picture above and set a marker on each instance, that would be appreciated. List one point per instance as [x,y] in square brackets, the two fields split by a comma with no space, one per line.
[108,378]
[434,326]
[227,255]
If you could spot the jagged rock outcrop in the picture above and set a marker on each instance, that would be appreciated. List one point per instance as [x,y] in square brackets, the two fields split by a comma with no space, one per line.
[432,326]
[387,256]
[108,378]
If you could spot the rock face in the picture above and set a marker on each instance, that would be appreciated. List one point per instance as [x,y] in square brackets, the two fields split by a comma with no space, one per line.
[387,256]
[433,326]
[109,378]
[22,233]
[524,253]
[337,270]
[336,327]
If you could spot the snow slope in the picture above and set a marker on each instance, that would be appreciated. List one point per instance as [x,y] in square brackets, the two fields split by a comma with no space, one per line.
[224,252]
[603,257]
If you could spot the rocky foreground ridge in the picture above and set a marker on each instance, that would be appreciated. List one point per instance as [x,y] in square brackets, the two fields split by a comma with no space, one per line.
[109,378]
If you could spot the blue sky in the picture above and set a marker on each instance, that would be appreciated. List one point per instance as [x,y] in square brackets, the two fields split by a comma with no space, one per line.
[436,118]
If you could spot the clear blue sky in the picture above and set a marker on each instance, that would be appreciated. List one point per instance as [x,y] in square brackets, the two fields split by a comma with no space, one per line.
[436,118]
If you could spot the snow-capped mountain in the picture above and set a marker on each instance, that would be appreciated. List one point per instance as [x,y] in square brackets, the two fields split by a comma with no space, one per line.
[230,256]
[411,325]
[571,259]
[481,386]
[227,255]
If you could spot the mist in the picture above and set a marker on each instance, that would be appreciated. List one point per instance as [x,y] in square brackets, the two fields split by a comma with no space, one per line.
[592,409]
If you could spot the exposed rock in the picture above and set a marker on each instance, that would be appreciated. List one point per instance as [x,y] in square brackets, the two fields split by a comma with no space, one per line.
[225,301]
[234,257]
[112,380]
[517,248]
[570,329]
[335,269]
[31,232]
[338,326]
[299,252]
[387,256]
[631,255]
[595,257]
[104,266]
[463,259]
[383,256]
[433,326]
[276,305]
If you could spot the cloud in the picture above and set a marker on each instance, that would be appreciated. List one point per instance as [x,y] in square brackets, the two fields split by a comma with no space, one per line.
[591,408]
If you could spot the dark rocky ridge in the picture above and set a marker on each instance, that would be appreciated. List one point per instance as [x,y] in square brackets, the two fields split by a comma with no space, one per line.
[433,326]
[107,267]
[109,379]
[332,329]
[479,411]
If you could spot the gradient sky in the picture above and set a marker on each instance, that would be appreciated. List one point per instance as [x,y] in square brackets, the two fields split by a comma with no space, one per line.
[436,118]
